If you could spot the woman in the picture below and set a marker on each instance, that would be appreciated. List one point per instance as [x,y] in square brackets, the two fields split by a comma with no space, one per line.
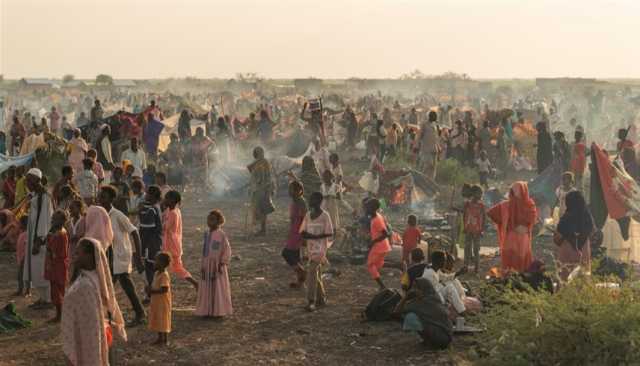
[572,235]
[514,219]
[98,226]
[90,312]
[424,312]
[77,150]
[174,157]
[200,145]
[309,177]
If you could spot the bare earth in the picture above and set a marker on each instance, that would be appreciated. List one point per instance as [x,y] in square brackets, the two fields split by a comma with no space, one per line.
[269,325]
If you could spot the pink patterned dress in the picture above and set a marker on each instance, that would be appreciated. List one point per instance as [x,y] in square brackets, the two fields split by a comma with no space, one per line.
[214,291]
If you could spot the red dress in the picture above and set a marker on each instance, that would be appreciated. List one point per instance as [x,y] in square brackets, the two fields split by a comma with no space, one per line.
[518,210]
[57,264]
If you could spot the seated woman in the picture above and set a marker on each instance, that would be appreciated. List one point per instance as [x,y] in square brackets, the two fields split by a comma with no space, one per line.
[424,312]
[572,235]
[9,231]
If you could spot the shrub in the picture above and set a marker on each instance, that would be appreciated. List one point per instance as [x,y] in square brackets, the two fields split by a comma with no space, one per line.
[451,172]
[582,324]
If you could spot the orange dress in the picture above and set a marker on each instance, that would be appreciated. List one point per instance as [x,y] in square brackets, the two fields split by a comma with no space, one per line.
[160,310]
[518,210]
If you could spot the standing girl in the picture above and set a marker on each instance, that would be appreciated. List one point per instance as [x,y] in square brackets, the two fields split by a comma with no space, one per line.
[380,245]
[331,198]
[172,235]
[57,260]
[316,229]
[214,291]
[160,293]
[291,251]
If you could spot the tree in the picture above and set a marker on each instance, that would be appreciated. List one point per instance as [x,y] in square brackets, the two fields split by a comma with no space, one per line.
[68,78]
[104,79]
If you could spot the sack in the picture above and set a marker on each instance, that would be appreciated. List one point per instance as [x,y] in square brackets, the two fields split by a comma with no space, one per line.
[382,305]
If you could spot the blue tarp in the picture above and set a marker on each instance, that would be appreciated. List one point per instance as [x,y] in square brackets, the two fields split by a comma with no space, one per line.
[7,161]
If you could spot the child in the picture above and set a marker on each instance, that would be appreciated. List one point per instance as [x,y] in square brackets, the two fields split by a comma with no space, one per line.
[172,235]
[568,185]
[410,238]
[291,251]
[21,245]
[330,198]
[57,260]
[447,286]
[76,223]
[484,168]
[474,225]
[160,293]
[87,182]
[214,291]
[316,229]
[380,245]
[98,170]
[135,200]
[415,270]
[150,222]
[161,181]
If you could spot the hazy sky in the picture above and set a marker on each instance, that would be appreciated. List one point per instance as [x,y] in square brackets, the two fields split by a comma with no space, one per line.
[322,38]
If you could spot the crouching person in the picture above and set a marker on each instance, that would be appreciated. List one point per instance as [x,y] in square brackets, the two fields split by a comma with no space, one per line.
[424,313]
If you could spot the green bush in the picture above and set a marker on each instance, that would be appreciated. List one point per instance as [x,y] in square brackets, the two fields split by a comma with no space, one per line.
[582,324]
[451,172]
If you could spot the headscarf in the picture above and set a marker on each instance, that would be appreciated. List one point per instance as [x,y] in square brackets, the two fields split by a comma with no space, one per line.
[521,206]
[105,286]
[98,226]
[576,225]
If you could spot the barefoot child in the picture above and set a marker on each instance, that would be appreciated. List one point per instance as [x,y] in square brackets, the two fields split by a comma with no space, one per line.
[160,293]
[331,198]
[21,244]
[316,229]
[410,238]
[291,251]
[172,235]
[57,260]
[214,291]
[474,217]
[380,245]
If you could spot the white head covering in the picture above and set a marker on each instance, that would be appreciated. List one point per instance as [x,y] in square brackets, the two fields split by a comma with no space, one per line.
[105,285]
[35,172]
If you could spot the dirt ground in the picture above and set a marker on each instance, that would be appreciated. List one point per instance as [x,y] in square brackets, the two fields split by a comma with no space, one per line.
[269,325]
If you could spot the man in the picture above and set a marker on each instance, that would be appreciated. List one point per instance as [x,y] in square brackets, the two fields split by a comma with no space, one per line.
[428,145]
[40,212]
[122,190]
[265,127]
[261,189]
[65,180]
[82,120]
[96,112]
[121,255]
[18,134]
[135,155]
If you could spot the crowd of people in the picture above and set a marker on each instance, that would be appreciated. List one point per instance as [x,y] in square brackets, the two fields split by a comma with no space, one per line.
[115,211]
